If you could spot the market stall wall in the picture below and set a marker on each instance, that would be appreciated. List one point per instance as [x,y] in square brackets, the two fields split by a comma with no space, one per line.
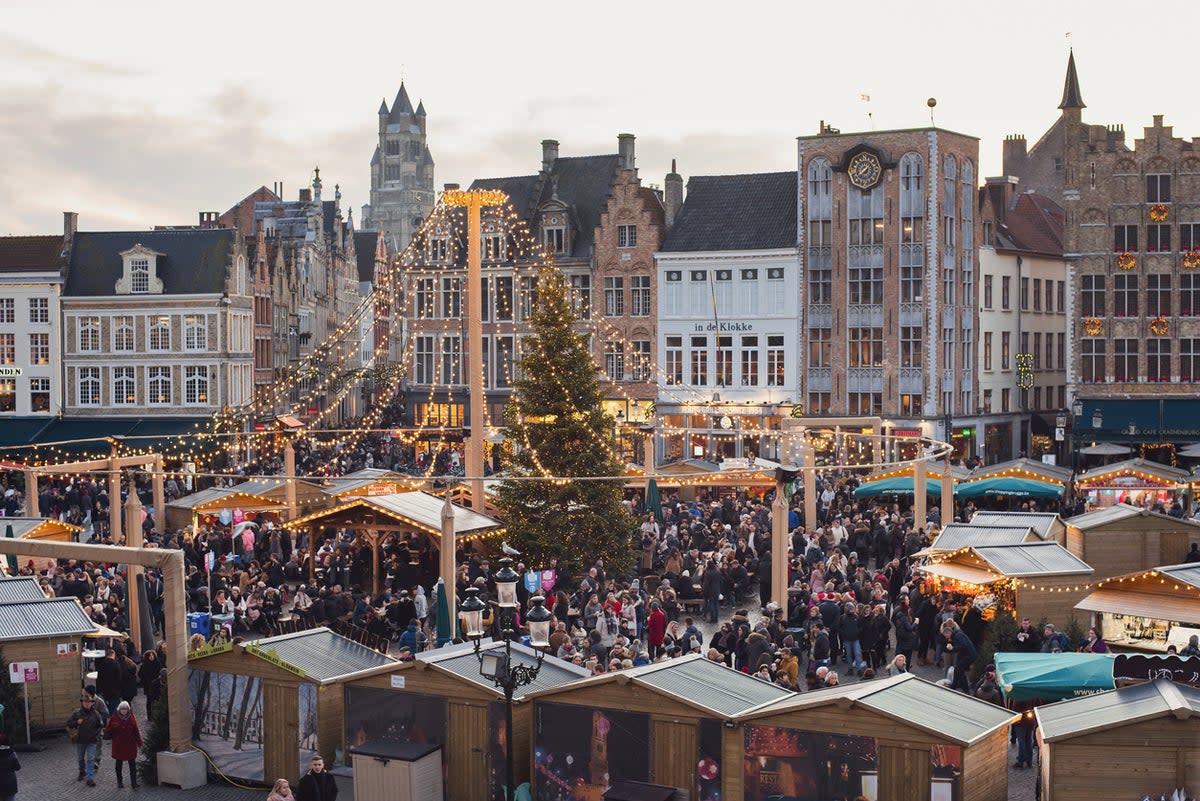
[1053,599]
[1147,758]
[903,753]
[56,694]
[1134,546]
[467,731]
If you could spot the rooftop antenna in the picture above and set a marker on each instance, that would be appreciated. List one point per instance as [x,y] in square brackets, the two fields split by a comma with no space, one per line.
[931,102]
[870,117]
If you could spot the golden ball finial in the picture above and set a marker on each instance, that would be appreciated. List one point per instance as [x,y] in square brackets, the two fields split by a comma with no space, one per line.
[931,102]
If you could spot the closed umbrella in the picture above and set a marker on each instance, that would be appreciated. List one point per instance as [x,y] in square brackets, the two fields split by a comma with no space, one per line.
[445,624]
[654,501]
[12,560]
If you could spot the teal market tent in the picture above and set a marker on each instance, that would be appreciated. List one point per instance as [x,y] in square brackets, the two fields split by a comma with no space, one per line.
[1053,677]
[898,485]
[1008,487]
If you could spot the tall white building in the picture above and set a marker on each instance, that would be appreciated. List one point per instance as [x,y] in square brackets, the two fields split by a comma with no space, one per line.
[728,321]
[30,366]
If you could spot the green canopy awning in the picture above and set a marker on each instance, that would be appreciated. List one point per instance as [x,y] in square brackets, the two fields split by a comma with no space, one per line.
[900,485]
[1009,487]
[1052,677]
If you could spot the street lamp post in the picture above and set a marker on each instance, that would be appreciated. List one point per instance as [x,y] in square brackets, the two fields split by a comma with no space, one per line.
[499,667]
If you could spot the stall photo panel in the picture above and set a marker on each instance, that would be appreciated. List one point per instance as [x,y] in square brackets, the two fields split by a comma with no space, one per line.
[708,761]
[580,751]
[227,721]
[308,724]
[376,714]
[945,773]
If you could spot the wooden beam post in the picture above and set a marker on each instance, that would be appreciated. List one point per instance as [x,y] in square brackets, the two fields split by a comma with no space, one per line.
[947,493]
[114,493]
[446,560]
[31,493]
[779,557]
[133,539]
[289,471]
[159,498]
[808,457]
[919,499]
[170,562]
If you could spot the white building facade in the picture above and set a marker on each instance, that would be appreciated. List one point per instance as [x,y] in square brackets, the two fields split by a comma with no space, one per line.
[30,356]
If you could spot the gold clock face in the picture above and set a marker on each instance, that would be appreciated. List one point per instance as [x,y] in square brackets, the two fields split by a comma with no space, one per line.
[864,170]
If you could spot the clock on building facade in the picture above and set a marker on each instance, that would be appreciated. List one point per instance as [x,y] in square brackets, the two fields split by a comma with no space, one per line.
[864,170]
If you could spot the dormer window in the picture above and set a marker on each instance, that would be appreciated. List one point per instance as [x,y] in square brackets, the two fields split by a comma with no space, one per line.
[438,247]
[555,238]
[140,273]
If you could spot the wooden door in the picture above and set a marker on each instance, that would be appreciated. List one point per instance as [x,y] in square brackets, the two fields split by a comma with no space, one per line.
[467,739]
[281,732]
[903,773]
[673,755]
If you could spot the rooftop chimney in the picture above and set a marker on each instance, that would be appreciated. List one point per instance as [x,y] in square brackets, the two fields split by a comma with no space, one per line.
[306,195]
[625,150]
[672,195]
[449,187]
[549,154]
[70,224]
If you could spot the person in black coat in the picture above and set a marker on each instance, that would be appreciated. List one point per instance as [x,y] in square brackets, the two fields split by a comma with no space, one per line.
[9,765]
[959,645]
[108,678]
[318,784]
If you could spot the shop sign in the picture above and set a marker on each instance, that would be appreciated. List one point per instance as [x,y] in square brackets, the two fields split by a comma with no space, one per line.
[382,488]
[907,432]
[10,372]
[1143,667]
[723,327]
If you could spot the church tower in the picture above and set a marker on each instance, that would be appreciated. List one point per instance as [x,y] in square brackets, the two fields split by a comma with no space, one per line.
[402,194]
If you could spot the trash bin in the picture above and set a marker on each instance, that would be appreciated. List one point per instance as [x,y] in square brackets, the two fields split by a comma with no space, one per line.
[392,771]
[199,623]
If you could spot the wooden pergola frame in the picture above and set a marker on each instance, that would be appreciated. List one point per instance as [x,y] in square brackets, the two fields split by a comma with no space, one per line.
[171,564]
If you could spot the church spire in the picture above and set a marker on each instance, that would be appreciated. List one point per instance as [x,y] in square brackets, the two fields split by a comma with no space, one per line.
[401,105]
[1072,97]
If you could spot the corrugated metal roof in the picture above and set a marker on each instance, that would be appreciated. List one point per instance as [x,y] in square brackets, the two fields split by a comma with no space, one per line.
[21,526]
[426,510]
[960,572]
[711,684]
[45,617]
[1119,512]
[962,535]
[20,588]
[1160,471]
[196,498]
[909,699]
[461,661]
[322,654]
[1188,572]
[1044,523]
[359,478]
[1180,607]
[1033,559]
[1076,717]
[1028,465]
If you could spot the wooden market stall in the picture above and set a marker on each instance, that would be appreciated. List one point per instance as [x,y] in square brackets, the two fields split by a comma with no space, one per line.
[257,495]
[1122,538]
[373,518]
[1134,481]
[1140,741]
[371,481]
[1039,579]
[1027,469]
[49,631]
[441,698]
[1048,525]
[892,738]
[677,709]
[261,709]
[37,528]
[1147,610]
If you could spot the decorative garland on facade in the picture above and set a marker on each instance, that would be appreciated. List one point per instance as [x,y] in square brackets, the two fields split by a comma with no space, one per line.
[1159,212]
[1092,326]
[1126,261]
[1191,259]
[1159,326]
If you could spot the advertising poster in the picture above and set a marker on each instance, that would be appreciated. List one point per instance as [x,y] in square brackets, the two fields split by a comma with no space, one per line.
[580,751]
[708,761]
[793,765]
[945,773]
[384,715]
[227,721]
[497,752]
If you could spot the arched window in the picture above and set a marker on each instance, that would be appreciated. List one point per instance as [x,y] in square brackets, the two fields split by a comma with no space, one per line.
[912,228]
[158,385]
[160,333]
[139,276]
[820,232]
[195,385]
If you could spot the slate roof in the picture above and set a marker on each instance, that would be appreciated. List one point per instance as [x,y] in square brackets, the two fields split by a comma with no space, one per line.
[1044,523]
[582,183]
[701,681]
[194,260]
[364,249]
[45,617]
[461,661]
[756,211]
[20,588]
[1034,225]
[323,655]
[22,253]
[401,105]
[1072,97]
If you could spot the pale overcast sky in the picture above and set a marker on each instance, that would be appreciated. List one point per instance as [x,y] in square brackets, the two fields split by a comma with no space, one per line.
[144,113]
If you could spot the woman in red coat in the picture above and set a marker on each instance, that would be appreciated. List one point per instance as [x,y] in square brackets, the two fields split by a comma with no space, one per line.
[122,729]
[656,628]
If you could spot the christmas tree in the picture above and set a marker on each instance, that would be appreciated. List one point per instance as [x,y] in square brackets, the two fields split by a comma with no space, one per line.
[557,426]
